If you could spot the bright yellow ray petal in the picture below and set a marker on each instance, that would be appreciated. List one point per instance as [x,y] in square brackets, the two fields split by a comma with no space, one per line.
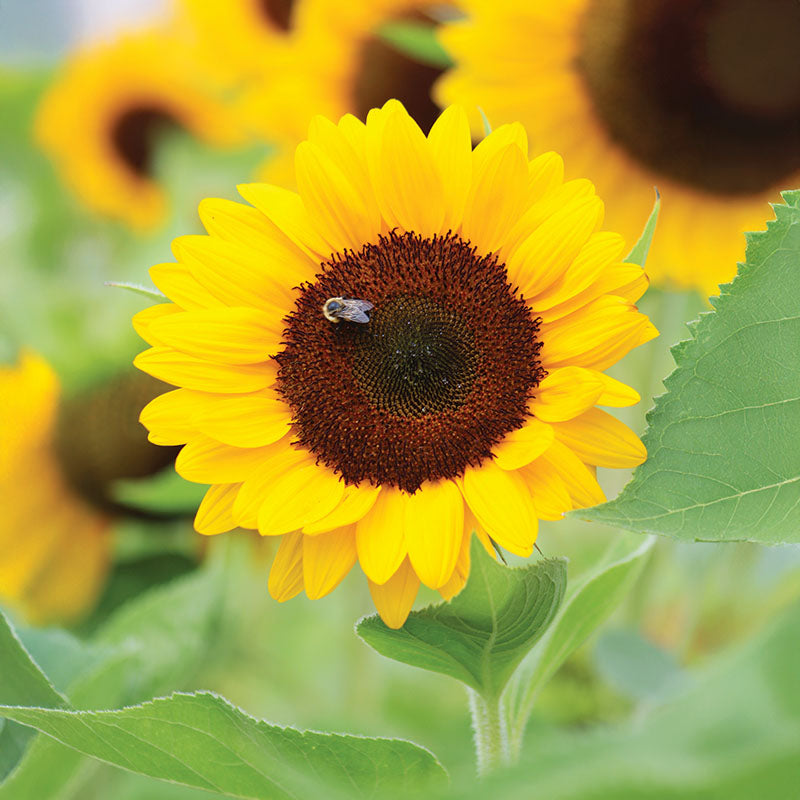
[221,335]
[206,460]
[579,480]
[434,527]
[523,445]
[380,536]
[461,572]
[168,416]
[598,438]
[286,574]
[550,495]
[567,392]
[214,515]
[356,503]
[245,420]
[450,143]
[502,504]
[180,286]
[327,558]
[143,320]
[395,596]
[191,372]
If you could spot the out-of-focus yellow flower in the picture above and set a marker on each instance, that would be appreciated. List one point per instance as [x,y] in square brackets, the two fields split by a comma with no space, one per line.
[100,120]
[54,546]
[699,99]
[334,63]
[410,348]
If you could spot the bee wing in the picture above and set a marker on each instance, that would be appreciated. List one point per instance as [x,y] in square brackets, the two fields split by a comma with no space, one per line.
[354,310]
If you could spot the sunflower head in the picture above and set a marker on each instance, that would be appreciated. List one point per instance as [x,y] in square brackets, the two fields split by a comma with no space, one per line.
[461,398]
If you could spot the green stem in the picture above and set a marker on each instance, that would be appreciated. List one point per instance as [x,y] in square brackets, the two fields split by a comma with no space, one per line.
[491,732]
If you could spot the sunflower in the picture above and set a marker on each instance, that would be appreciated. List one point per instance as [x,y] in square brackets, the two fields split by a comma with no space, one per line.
[699,98]
[467,400]
[337,61]
[56,461]
[101,119]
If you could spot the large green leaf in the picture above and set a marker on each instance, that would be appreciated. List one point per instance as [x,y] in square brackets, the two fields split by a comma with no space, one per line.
[481,635]
[589,602]
[723,444]
[734,733]
[23,682]
[204,741]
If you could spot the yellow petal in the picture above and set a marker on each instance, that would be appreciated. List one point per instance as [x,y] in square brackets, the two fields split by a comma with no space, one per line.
[298,495]
[168,416]
[205,460]
[286,575]
[394,597]
[245,420]
[356,503]
[380,536]
[616,394]
[461,572]
[238,275]
[451,145]
[182,287]
[144,319]
[500,138]
[545,175]
[579,480]
[567,392]
[523,445]
[550,495]
[214,515]
[286,211]
[545,255]
[221,335]
[598,438]
[495,199]
[503,505]
[596,336]
[327,558]
[408,179]
[339,213]
[191,372]
[434,527]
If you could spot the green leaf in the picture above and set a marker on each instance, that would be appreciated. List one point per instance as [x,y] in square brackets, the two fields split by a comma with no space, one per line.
[724,460]
[166,492]
[23,683]
[418,41]
[638,255]
[482,634]
[589,602]
[204,741]
[734,733]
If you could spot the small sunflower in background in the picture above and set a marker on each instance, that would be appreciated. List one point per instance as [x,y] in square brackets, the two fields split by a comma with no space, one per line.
[101,120]
[408,349]
[700,98]
[57,461]
[338,61]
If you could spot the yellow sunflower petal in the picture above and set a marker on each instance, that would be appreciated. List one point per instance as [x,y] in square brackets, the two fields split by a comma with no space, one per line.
[168,416]
[356,503]
[286,574]
[327,558]
[567,392]
[434,527]
[407,173]
[461,572]
[502,504]
[579,480]
[395,596]
[221,335]
[245,420]
[144,319]
[191,372]
[450,143]
[180,286]
[545,175]
[550,495]
[598,438]
[523,445]
[206,460]
[616,394]
[498,192]
[214,515]
[380,536]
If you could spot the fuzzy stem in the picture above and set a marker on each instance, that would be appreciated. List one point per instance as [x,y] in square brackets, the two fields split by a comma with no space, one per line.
[491,732]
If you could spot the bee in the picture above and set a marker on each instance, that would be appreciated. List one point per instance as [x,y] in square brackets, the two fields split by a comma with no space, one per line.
[347,308]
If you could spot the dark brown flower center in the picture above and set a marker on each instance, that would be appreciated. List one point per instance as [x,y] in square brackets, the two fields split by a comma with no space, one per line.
[134,134]
[384,73]
[278,13]
[706,92]
[440,374]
